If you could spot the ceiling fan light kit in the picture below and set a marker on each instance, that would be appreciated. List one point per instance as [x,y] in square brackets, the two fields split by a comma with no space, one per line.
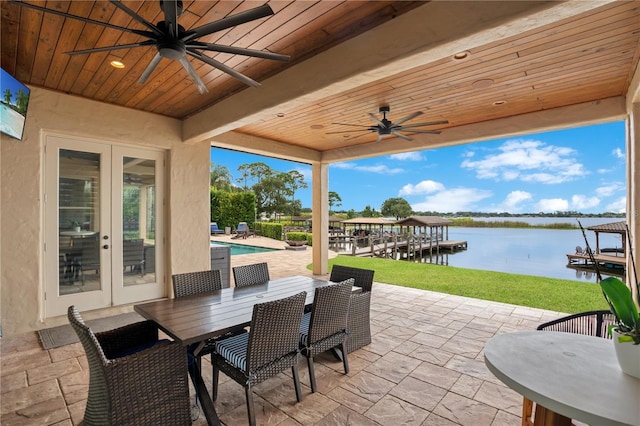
[385,127]
[174,42]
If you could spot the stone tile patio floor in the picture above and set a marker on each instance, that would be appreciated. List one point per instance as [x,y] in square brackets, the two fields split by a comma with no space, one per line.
[425,366]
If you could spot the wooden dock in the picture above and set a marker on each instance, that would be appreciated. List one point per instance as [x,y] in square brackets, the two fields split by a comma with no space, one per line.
[603,260]
[400,247]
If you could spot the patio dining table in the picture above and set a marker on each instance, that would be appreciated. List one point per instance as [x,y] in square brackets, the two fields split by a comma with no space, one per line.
[194,319]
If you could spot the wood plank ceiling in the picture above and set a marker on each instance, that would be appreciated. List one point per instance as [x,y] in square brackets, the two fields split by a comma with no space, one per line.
[584,58]
[33,46]
[573,61]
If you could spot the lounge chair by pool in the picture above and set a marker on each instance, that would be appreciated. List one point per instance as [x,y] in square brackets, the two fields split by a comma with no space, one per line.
[215,229]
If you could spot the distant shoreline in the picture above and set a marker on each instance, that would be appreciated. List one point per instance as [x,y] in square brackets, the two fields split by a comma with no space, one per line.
[478,222]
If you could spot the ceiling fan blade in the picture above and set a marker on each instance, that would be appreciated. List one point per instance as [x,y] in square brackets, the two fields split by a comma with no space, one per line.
[377,120]
[407,118]
[428,123]
[194,76]
[152,66]
[136,17]
[348,131]
[108,48]
[355,137]
[431,132]
[170,9]
[238,51]
[229,21]
[379,138]
[349,124]
[80,18]
[222,67]
[400,135]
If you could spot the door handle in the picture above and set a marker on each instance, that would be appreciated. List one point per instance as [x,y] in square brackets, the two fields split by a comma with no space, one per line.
[106,246]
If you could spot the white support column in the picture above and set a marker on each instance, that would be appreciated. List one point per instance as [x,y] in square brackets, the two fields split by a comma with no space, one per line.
[633,185]
[320,217]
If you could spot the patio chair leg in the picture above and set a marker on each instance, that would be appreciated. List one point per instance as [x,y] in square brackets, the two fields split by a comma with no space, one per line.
[250,410]
[345,361]
[214,387]
[296,383]
[312,374]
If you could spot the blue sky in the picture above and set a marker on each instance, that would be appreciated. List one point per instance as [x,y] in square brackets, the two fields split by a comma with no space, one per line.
[580,169]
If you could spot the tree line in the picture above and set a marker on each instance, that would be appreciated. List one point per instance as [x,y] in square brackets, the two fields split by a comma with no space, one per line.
[275,193]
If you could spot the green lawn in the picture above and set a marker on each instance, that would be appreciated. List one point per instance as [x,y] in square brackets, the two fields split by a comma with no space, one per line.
[525,290]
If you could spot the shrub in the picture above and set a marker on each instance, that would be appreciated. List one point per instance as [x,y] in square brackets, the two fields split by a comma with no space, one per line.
[272,230]
[231,208]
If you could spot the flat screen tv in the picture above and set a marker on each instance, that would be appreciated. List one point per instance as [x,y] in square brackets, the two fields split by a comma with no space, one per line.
[14,101]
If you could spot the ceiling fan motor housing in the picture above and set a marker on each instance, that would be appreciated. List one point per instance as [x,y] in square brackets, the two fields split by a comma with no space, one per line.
[172,48]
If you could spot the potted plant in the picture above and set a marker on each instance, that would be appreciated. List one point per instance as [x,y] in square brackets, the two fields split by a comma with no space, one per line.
[296,239]
[626,330]
[76,225]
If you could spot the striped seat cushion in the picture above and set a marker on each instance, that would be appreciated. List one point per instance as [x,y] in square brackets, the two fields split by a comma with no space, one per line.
[234,350]
[304,328]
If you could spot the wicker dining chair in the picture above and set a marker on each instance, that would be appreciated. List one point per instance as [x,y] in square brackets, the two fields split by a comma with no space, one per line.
[134,378]
[591,323]
[190,283]
[270,347]
[359,318]
[325,327]
[246,275]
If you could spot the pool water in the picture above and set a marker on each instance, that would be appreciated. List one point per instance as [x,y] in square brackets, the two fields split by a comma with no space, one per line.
[243,249]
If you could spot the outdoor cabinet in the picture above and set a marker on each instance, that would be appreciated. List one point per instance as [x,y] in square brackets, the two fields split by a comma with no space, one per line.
[221,259]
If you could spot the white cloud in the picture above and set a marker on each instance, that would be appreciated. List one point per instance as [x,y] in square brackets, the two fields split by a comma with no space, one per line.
[610,189]
[528,161]
[551,205]
[424,187]
[452,200]
[618,206]
[514,198]
[380,169]
[408,156]
[618,153]
[582,202]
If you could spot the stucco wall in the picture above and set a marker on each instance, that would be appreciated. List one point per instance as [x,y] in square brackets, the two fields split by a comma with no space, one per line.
[21,176]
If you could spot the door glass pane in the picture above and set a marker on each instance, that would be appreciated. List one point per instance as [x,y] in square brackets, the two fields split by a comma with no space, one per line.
[79,221]
[138,220]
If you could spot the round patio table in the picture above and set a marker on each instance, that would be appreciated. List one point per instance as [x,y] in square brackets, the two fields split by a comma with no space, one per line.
[573,375]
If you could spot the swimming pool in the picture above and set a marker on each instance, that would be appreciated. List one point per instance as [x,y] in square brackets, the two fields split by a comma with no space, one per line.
[243,249]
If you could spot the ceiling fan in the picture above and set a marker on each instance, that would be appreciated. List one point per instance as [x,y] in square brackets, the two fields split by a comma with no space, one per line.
[174,42]
[385,127]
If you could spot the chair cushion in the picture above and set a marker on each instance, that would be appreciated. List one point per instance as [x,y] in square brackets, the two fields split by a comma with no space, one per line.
[234,350]
[304,329]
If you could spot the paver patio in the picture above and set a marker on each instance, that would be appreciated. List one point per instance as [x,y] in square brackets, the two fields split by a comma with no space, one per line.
[425,366]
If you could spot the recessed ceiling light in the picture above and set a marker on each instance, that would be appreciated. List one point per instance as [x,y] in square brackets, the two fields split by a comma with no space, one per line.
[497,103]
[482,84]
[280,114]
[317,126]
[117,64]
[461,55]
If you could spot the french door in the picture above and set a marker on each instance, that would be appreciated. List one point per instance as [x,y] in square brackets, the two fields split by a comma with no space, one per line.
[103,224]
